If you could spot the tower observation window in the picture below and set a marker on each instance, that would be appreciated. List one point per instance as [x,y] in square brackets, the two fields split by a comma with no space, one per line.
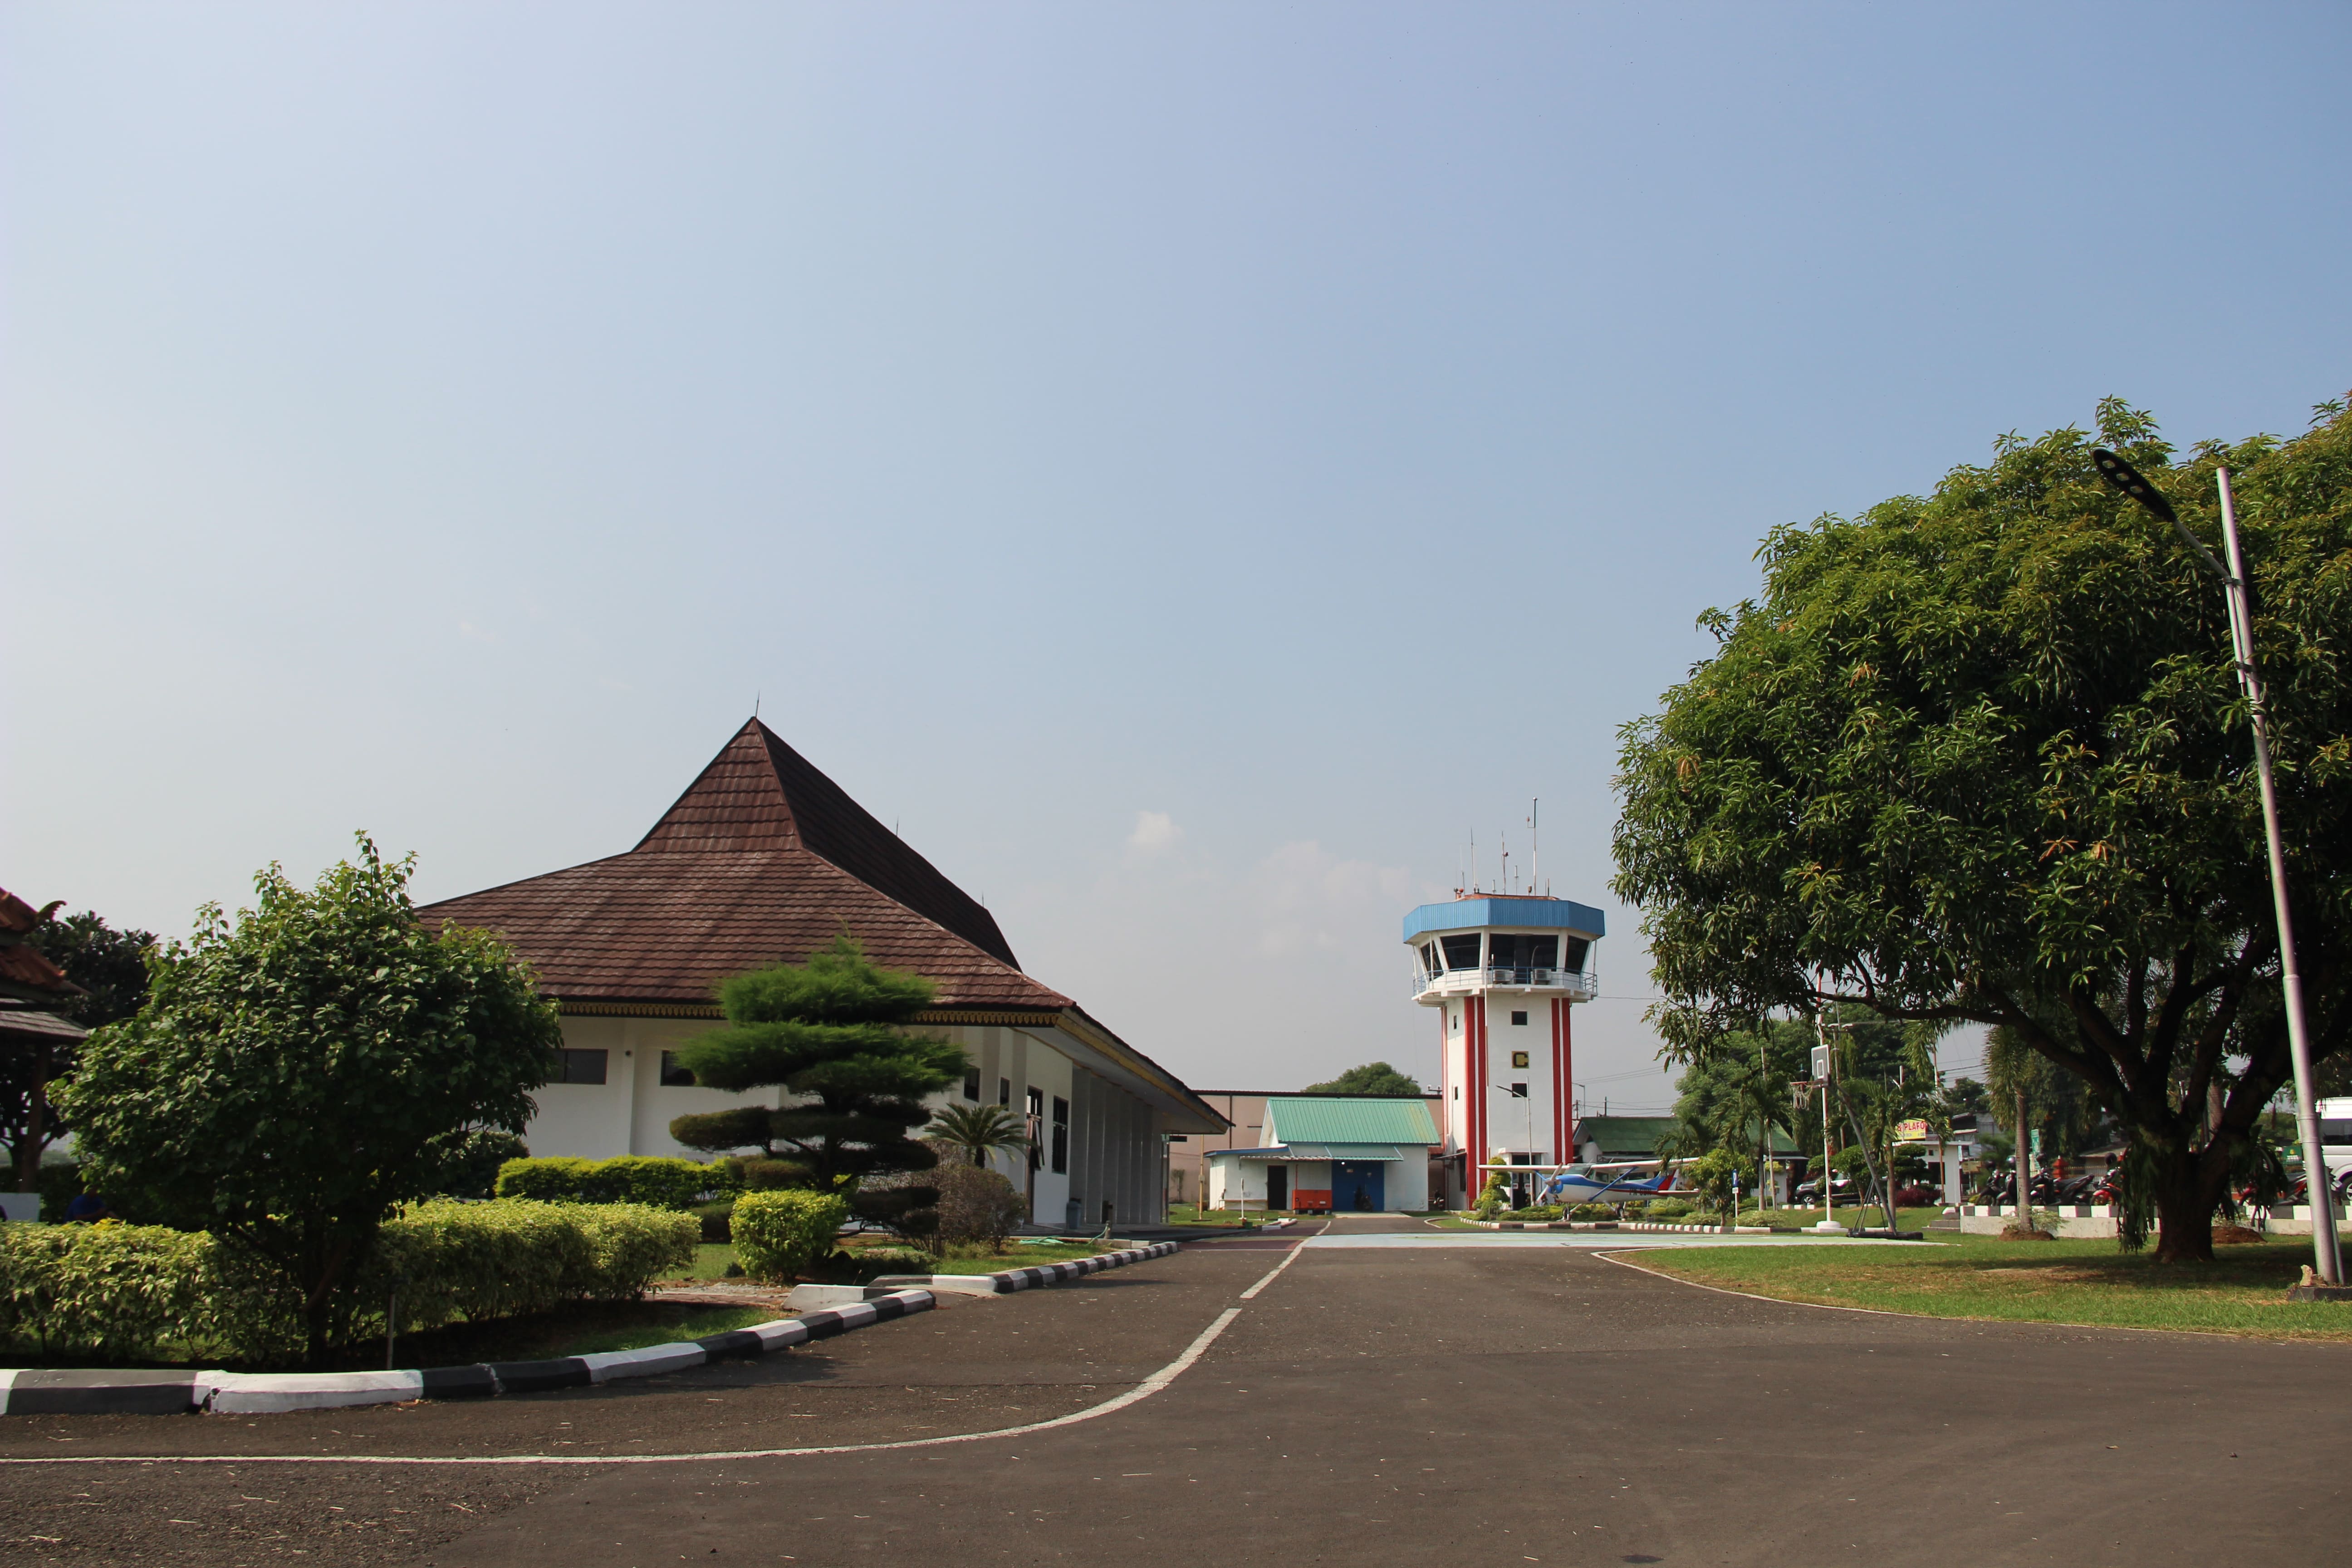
[1461,951]
[1511,949]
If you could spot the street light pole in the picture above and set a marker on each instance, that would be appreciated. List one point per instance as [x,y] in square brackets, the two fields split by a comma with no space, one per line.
[2328,1263]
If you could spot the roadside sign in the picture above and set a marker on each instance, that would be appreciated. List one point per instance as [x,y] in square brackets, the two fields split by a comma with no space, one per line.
[1914,1131]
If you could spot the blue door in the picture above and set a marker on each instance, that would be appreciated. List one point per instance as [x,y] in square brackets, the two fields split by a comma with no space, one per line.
[1359,1185]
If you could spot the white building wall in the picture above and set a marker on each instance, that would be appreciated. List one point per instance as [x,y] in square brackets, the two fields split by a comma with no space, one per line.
[588,1121]
[630,1111]
[1405,1185]
[1113,1147]
[1521,1126]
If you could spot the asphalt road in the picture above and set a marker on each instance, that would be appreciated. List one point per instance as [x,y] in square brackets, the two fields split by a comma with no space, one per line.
[1471,1404]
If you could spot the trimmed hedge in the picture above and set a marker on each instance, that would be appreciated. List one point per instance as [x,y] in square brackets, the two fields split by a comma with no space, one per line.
[780,1233]
[145,1292]
[667,1183]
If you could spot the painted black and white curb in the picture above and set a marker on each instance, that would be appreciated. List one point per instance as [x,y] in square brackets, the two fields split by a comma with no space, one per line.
[110,1393]
[1006,1281]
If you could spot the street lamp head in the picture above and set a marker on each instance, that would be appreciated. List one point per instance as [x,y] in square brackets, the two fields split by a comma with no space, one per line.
[2126,479]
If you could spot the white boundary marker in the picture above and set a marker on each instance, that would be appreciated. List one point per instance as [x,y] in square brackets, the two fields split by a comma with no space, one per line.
[1251,1294]
[1140,1392]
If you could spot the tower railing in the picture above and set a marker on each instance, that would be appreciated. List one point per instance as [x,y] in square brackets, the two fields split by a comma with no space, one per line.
[1581,984]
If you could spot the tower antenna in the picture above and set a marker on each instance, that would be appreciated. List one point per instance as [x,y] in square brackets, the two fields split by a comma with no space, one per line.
[1535,843]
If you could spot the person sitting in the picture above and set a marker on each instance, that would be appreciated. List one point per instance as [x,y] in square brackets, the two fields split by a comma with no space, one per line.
[87,1209]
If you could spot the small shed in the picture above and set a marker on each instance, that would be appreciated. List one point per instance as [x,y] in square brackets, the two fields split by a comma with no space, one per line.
[1330,1154]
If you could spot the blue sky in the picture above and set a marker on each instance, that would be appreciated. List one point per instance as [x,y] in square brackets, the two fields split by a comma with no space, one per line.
[1189,466]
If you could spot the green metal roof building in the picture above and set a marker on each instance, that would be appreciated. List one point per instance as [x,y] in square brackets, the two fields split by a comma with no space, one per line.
[1336,1153]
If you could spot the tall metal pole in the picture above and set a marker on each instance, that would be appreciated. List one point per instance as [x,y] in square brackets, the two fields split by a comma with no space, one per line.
[2327,1261]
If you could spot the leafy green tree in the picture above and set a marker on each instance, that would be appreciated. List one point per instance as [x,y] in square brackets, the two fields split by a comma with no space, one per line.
[1373,1077]
[1981,757]
[832,1033]
[469,1161]
[1735,1094]
[296,1072]
[979,1130]
[109,965]
[1716,1175]
[111,968]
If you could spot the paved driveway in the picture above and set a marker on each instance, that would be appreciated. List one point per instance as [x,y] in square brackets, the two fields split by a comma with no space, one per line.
[1374,1404]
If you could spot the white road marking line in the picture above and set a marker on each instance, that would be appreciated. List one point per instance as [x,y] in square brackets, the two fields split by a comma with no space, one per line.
[1141,1390]
[1291,1257]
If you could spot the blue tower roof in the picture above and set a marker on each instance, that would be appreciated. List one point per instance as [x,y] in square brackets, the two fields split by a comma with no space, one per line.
[1543,914]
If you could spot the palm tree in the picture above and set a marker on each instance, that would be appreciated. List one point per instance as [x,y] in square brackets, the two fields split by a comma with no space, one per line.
[979,1130]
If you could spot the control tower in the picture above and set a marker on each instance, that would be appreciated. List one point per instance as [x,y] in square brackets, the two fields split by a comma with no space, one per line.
[1502,971]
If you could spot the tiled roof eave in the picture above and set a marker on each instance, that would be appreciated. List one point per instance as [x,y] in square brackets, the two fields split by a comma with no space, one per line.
[658,1007]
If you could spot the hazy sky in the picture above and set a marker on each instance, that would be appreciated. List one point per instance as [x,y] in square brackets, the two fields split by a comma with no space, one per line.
[1190,466]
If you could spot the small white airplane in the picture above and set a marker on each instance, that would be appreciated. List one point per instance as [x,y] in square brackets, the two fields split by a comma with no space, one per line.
[1573,1184]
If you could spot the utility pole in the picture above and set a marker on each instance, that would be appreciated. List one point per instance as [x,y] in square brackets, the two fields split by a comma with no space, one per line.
[2125,477]
[1824,1064]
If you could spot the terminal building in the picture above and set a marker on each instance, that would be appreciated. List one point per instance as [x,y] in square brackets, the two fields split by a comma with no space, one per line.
[1503,973]
[764,860]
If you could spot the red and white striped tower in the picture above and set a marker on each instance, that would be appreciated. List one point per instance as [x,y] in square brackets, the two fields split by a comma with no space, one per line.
[1503,971]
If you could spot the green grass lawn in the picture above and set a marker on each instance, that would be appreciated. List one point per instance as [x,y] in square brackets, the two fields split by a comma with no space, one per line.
[712,1261]
[2093,1283]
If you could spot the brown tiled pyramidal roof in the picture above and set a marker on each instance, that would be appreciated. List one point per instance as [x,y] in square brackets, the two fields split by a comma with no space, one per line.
[25,970]
[762,861]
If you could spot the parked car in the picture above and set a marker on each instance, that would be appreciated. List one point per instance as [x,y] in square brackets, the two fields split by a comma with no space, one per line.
[1809,1191]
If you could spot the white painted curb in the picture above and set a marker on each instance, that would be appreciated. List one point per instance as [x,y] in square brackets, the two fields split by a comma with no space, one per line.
[603,1366]
[267,1393]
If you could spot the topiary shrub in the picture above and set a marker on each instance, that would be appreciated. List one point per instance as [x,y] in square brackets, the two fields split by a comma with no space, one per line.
[759,1173]
[548,1181]
[779,1232]
[977,1207]
[471,1161]
[657,1182]
[147,1293]
[1665,1208]
[1496,1197]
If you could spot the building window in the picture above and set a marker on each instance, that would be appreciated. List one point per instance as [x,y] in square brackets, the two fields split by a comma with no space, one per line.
[1178,1138]
[1061,1135]
[1520,1020]
[1457,1091]
[1519,1058]
[1461,951]
[1037,1103]
[583,1067]
[674,1074]
[1005,1092]
[1518,1091]
[972,1085]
